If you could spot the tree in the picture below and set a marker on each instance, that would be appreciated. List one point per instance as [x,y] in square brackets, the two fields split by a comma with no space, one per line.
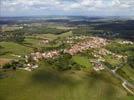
[14,36]
[13,65]
[7,66]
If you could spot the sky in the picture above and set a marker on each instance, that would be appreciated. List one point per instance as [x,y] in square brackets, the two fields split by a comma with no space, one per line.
[67,7]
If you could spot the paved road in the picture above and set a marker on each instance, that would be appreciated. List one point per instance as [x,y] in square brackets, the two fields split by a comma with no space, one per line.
[125,83]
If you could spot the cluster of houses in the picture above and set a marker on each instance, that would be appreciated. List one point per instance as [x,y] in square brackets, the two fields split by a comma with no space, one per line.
[30,67]
[78,37]
[92,42]
[97,65]
[86,43]
[126,42]
[105,52]
[100,58]
[38,56]
[44,41]
[72,40]
[11,27]
[35,57]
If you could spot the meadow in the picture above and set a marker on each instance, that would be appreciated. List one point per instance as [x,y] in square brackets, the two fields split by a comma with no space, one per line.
[48,84]
[83,61]
[10,49]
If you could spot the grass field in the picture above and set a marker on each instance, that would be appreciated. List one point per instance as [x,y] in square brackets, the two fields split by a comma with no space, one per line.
[111,60]
[129,72]
[34,41]
[84,61]
[53,36]
[10,48]
[48,84]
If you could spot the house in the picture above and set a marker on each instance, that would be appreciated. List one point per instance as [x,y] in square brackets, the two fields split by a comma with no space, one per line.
[97,65]
[126,42]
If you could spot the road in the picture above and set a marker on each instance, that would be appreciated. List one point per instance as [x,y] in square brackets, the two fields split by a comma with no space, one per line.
[125,83]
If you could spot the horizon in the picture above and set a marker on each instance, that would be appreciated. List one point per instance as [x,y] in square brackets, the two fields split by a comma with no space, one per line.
[37,16]
[89,8]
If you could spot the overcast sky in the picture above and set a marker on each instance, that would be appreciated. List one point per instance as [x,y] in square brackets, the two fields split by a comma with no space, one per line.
[67,7]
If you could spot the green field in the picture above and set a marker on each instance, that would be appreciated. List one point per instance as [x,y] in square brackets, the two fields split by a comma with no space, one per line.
[112,60]
[53,36]
[127,72]
[48,84]
[10,48]
[84,61]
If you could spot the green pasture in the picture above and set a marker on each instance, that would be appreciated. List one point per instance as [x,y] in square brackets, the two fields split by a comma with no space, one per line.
[81,60]
[48,84]
[10,49]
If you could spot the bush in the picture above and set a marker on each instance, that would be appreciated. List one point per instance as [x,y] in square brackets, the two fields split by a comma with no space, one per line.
[7,66]
[12,36]
[13,65]
[108,65]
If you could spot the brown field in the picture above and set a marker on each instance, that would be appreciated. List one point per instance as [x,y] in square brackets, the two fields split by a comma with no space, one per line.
[4,61]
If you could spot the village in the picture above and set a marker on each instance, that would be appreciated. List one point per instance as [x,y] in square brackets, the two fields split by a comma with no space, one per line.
[77,45]
[85,43]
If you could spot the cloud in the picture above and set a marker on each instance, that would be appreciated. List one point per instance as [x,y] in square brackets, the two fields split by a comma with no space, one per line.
[67,6]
